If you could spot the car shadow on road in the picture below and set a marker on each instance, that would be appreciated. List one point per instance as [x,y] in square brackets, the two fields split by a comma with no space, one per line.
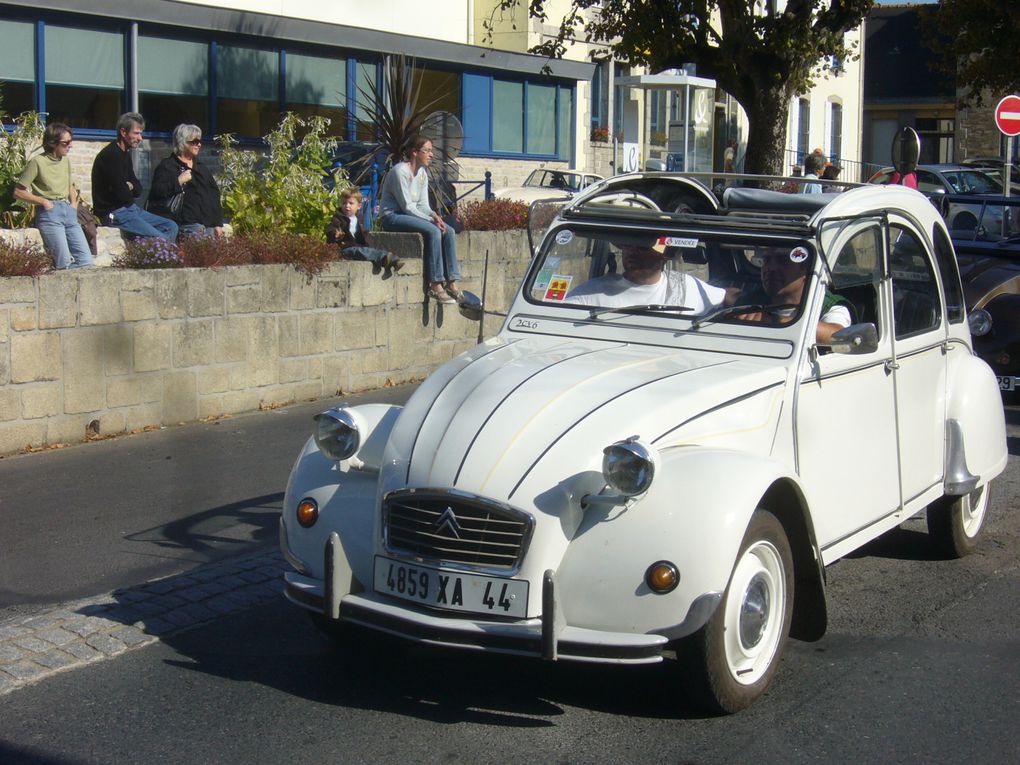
[257,518]
[900,544]
[364,670]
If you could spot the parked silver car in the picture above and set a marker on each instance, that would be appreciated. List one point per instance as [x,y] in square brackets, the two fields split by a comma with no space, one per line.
[936,180]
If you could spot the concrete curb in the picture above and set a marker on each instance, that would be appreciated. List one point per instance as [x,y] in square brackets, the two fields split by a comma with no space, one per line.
[74,634]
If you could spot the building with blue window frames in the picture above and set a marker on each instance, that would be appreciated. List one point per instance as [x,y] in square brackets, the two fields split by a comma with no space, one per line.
[229,67]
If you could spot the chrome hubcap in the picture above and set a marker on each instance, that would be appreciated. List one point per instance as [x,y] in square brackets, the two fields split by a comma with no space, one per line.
[754,612]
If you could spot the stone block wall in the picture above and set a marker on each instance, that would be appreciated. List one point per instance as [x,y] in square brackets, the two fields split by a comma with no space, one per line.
[106,351]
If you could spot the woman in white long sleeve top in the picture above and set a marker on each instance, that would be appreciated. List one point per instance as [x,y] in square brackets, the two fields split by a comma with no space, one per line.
[405,207]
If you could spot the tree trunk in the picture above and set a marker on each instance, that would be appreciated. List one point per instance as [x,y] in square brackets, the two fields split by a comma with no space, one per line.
[767,115]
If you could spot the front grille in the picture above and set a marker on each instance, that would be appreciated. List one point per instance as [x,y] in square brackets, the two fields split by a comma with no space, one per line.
[454,529]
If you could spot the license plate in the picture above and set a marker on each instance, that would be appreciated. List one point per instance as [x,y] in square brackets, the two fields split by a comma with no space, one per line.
[1007,383]
[453,590]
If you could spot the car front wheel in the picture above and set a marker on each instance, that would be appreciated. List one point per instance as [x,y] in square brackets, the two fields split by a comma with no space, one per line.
[732,659]
[954,523]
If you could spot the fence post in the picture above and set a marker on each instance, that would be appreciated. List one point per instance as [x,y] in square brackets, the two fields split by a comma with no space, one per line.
[488,185]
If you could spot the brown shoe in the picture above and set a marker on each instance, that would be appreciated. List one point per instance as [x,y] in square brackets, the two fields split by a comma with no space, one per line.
[454,292]
[440,295]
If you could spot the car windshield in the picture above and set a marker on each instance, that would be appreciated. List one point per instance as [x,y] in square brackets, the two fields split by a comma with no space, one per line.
[972,182]
[697,278]
[556,179]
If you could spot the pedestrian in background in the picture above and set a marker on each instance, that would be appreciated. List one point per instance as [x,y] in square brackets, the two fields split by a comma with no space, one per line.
[46,182]
[184,190]
[347,231]
[814,164]
[405,207]
[115,187]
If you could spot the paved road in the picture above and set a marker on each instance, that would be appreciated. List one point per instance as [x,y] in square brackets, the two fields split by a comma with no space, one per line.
[90,519]
[919,665]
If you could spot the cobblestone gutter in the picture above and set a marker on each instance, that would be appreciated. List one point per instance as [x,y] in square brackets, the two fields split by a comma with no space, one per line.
[81,632]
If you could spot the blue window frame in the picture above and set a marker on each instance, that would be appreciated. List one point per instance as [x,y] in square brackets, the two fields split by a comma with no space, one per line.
[522,118]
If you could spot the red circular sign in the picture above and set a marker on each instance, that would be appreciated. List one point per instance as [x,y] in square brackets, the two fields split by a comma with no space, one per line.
[1007,115]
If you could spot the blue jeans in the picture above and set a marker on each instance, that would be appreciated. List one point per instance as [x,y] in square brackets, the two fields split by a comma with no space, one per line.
[134,221]
[62,236]
[360,252]
[195,229]
[440,247]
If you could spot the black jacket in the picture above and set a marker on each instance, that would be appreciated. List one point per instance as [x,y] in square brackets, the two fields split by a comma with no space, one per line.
[338,231]
[111,173]
[201,194]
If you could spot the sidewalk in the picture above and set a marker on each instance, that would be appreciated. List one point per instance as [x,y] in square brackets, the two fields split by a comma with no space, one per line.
[71,635]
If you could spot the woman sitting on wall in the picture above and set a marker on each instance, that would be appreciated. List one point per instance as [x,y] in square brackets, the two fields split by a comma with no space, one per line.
[184,190]
[46,182]
[404,206]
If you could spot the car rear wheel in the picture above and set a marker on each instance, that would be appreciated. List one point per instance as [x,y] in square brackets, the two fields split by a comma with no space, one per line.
[732,659]
[955,523]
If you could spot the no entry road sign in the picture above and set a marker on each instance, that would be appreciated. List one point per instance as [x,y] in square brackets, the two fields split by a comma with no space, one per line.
[1007,115]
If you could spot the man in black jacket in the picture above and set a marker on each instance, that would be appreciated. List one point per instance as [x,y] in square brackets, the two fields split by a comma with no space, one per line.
[115,186]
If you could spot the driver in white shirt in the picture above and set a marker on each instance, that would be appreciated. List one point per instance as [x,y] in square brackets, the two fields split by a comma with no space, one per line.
[644,282]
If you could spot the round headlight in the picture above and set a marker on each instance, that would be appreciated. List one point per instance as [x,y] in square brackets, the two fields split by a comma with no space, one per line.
[980,322]
[628,466]
[337,434]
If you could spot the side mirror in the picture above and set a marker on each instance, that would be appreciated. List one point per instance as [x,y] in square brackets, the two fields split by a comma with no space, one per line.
[855,339]
[470,306]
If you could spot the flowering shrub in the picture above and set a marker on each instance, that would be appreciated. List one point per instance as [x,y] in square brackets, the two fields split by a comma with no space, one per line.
[149,252]
[23,259]
[600,134]
[494,215]
[306,254]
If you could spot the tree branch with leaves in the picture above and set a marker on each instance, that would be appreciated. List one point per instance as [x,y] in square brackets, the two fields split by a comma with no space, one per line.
[761,59]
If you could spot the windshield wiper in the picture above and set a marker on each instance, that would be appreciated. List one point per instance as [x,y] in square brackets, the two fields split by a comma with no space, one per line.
[651,308]
[735,310]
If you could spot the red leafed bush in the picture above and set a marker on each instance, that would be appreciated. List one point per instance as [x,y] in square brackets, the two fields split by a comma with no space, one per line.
[494,215]
[306,254]
[23,259]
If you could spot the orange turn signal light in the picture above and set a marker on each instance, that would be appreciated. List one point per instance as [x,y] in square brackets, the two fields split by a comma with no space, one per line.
[662,577]
[307,513]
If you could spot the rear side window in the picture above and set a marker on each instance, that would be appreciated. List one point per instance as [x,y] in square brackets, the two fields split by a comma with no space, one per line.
[956,311]
[916,305]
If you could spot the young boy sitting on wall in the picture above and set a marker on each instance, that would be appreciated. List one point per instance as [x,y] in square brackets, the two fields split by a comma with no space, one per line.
[347,231]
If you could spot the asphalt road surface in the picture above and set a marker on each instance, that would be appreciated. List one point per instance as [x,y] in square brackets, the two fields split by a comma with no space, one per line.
[920,664]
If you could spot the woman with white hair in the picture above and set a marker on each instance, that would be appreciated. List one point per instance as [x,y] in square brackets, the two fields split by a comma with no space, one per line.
[184,190]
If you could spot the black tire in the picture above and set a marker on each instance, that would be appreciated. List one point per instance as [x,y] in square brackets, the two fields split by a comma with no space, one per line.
[964,222]
[955,523]
[733,658]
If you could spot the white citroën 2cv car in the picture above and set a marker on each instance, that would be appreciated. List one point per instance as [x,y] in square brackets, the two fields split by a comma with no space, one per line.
[660,463]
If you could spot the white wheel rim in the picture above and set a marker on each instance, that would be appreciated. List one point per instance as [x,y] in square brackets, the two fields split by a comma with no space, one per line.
[755,607]
[972,511]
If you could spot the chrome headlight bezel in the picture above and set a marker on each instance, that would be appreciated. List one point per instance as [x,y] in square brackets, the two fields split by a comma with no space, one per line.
[629,466]
[980,322]
[337,434]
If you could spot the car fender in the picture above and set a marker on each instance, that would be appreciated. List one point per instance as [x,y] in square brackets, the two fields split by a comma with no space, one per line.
[694,515]
[975,424]
[346,494]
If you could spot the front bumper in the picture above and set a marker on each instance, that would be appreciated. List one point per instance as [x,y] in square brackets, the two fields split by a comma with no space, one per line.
[538,637]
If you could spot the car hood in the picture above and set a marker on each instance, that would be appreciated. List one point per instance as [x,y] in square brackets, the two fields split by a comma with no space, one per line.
[486,421]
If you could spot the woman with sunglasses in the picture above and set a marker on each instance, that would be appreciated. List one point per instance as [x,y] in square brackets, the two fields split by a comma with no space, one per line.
[46,183]
[198,211]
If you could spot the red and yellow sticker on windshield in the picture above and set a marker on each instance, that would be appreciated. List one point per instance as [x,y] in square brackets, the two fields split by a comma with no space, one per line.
[558,287]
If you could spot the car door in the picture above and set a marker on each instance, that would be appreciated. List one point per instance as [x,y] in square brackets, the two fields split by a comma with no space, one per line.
[919,364]
[846,414]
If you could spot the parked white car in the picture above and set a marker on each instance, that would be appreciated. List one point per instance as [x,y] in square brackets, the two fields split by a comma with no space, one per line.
[642,481]
[545,183]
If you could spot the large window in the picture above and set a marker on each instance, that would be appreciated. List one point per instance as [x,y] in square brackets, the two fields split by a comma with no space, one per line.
[84,76]
[366,84]
[507,108]
[541,137]
[173,83]
[803,127]
[835,132]
[17,66]
[317,87]
[248,90]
